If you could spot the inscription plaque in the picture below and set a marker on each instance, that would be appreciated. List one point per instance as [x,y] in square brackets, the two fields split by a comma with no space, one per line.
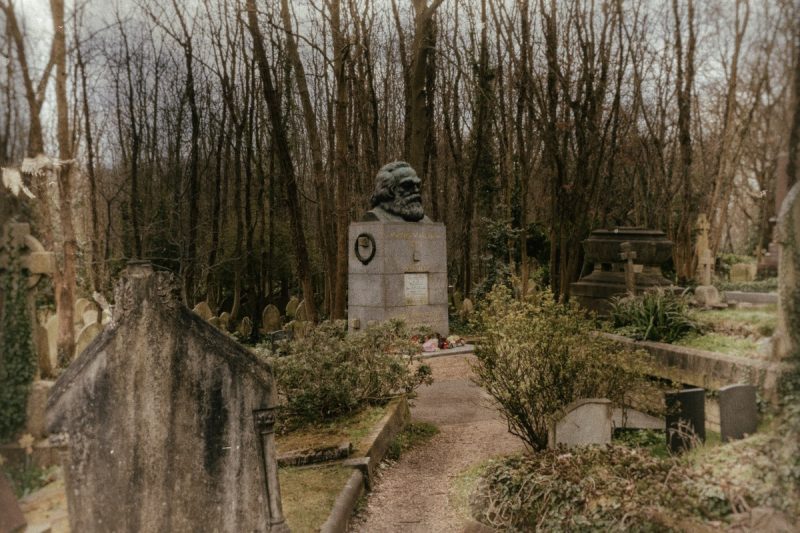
[416,288]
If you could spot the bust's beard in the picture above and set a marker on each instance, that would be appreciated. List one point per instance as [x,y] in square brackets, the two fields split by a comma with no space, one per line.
[408,207]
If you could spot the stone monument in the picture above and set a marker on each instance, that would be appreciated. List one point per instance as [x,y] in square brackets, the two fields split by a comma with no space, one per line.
[398,257]
[165,423]
[626,260]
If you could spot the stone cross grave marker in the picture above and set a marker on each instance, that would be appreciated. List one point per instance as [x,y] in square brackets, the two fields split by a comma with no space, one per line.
[738,412]
[165,423]
[686,418]
[705,260]
[628,255]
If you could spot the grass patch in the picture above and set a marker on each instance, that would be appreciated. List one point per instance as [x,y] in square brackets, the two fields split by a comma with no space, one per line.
[720,343]
[462,487]
[757,321]
[414,434]
[308,494]
[354,428]
[762,285]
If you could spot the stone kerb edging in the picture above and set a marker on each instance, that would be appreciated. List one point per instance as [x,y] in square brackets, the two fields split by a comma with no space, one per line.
[390,425]
[710,370]
[755,298]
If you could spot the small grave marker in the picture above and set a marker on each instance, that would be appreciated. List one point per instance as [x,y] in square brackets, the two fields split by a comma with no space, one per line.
[738,412]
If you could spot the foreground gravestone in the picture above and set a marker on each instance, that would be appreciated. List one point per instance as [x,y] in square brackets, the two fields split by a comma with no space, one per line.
[397,257]
[738,412]
[167,423]
[686,418]
[587,421]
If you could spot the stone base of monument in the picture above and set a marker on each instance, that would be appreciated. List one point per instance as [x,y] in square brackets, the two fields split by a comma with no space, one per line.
[595,290]
[397,270]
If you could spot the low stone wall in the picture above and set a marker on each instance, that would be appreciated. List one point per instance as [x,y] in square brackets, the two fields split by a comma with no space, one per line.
[392,423]
[709,370]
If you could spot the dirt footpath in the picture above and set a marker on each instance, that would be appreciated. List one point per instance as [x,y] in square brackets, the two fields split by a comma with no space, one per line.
[415,494]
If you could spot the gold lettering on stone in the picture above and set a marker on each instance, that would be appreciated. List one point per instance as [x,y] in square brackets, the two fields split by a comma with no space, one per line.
[416,288]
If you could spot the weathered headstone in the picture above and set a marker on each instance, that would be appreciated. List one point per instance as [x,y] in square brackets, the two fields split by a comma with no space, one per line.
[11,518]
[291,307]
[738,411]
[467,307]
[245,327]
[86,336]
[743,272]
[686,418]
[167,422]
[300,313]
[224,321]
[81,305]
[397,261]
[270,319]
[203,310]
[587,421]
[89,316]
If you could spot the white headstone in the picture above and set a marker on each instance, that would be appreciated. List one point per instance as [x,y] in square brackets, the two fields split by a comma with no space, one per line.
[587,421]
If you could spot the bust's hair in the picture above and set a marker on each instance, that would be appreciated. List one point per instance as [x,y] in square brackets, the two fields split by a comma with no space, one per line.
[384,181]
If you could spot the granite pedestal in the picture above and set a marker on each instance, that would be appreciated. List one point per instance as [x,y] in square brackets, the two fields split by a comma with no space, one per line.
[397,270]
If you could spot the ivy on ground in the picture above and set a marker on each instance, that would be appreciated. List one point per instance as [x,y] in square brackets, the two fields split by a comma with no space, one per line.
[17,356]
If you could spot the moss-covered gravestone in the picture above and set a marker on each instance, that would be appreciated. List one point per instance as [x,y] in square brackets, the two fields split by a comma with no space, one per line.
[166,423]
[787,336]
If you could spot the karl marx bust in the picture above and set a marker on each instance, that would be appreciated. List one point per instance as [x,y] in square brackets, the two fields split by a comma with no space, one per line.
[397,195]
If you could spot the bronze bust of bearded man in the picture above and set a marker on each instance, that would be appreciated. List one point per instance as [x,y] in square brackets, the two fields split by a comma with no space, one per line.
[397,195]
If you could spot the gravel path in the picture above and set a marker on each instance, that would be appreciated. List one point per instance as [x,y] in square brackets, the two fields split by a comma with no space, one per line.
[414,495]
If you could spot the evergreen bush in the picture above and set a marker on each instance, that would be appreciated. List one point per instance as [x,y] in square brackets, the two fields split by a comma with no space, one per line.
[538,356]
[329,373]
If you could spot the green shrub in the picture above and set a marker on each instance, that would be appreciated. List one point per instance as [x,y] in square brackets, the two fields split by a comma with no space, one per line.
[17,356]
[538,356]
[329,372]
[657,315]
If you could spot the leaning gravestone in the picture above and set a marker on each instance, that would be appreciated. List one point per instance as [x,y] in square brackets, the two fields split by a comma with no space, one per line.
[300,312]
[587,421]
[86,335]
[686,418]
[167,423]
[738,412]
[398,257]
[291,307]
[270,319]
[203,310]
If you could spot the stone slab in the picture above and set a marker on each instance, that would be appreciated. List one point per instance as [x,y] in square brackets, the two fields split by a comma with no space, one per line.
[686,418]
[738,411]
[755,298]
[585,422]
[633,419]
